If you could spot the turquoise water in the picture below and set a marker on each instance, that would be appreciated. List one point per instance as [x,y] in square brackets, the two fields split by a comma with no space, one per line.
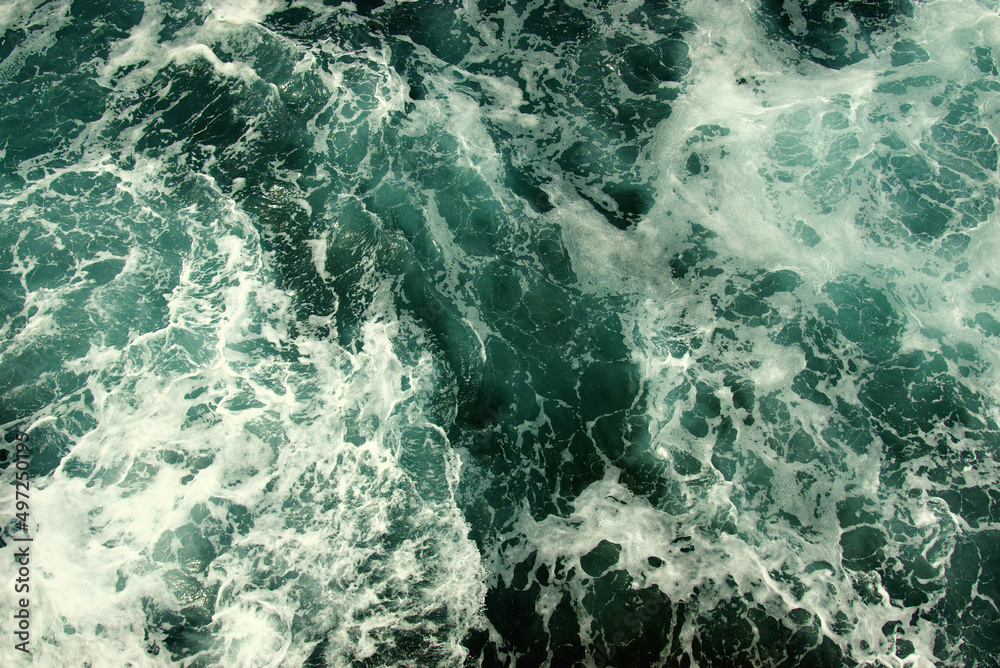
[569,333]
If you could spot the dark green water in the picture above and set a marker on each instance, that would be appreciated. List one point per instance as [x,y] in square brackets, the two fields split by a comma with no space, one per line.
[503,334]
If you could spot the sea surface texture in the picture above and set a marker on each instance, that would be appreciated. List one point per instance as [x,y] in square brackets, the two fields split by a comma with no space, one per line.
[536,333]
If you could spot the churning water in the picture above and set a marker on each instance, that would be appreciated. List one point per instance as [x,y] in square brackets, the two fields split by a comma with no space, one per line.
[549,332]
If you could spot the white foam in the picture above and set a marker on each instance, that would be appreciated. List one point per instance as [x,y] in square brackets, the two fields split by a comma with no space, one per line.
[218,406]
[203,414]
[241,12]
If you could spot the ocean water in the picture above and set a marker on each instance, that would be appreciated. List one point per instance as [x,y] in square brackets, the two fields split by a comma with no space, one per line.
[538,333]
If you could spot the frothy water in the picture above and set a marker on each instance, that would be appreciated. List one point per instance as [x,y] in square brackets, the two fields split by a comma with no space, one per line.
[501,334]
